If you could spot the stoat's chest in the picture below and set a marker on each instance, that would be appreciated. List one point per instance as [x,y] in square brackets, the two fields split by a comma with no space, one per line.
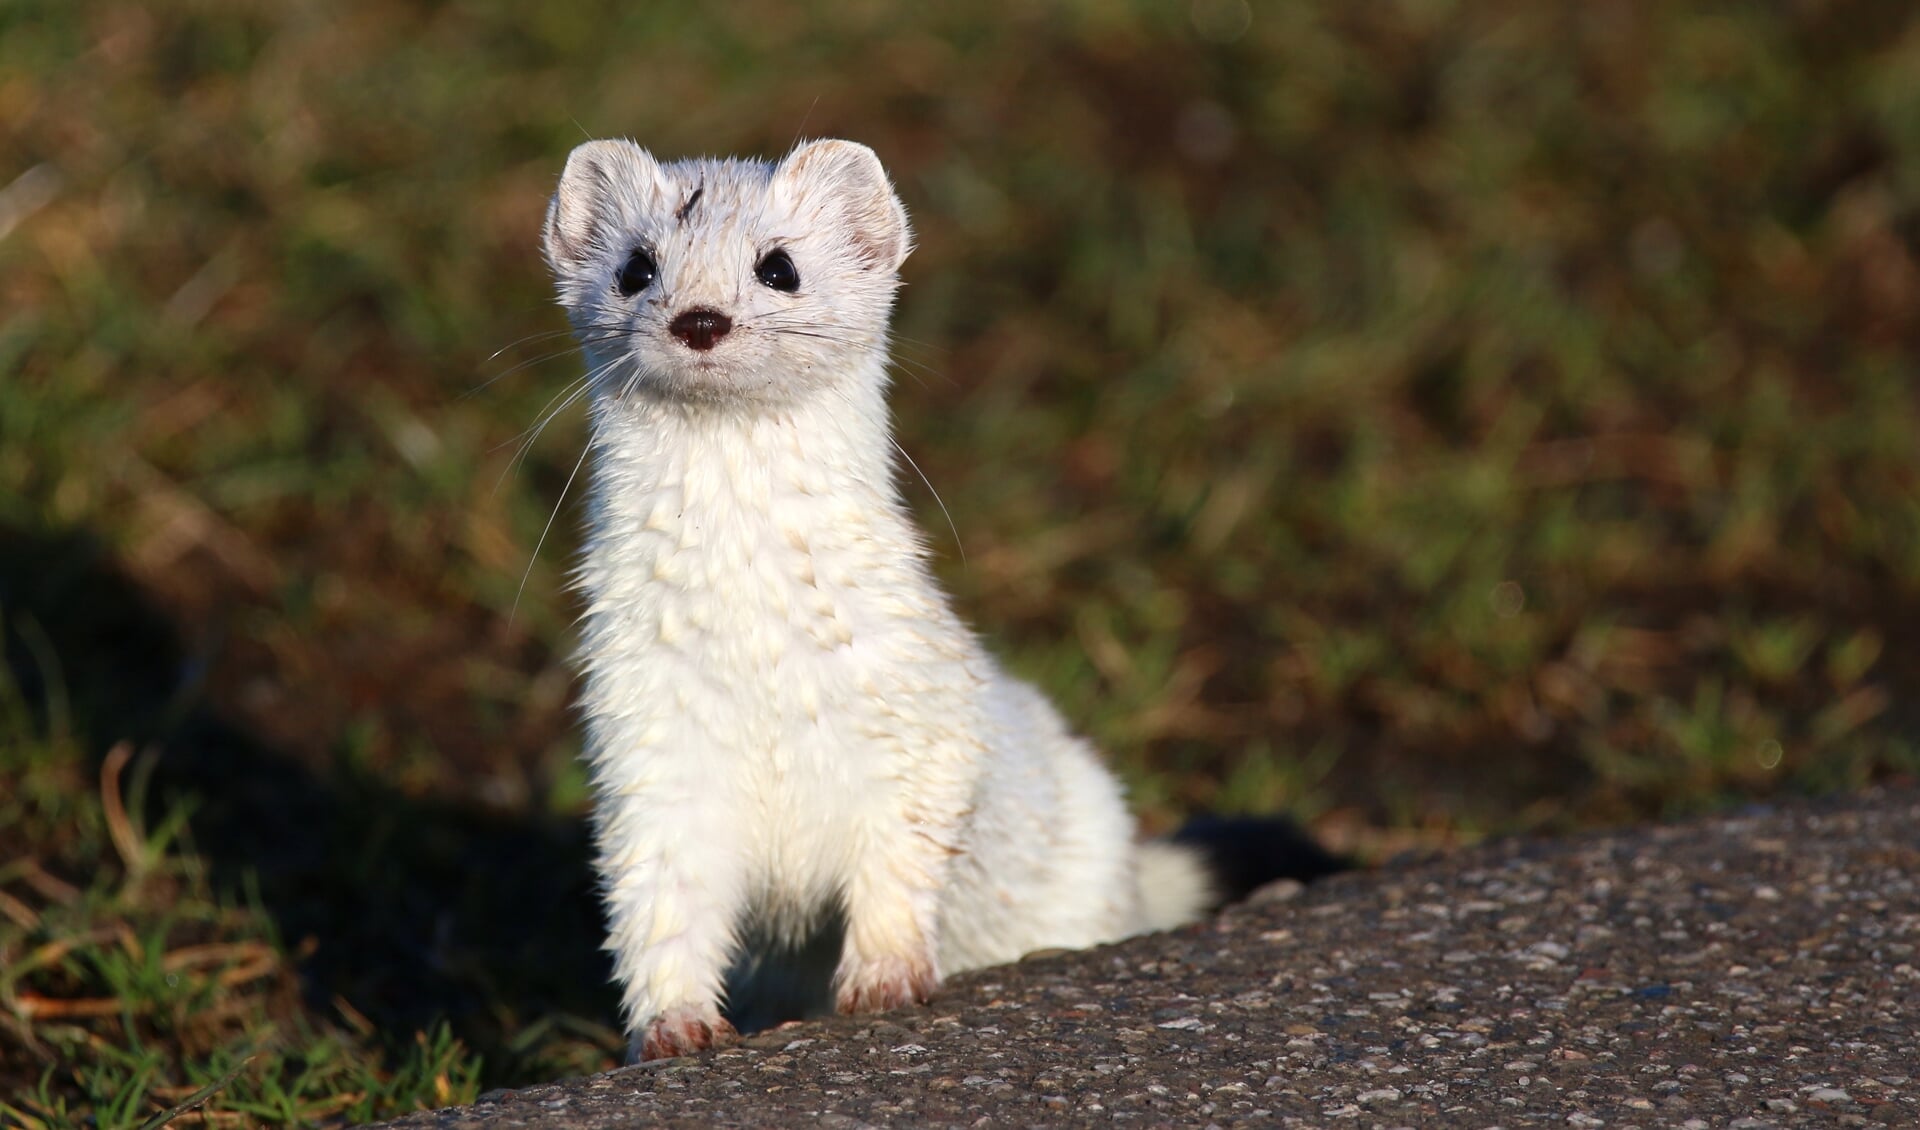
[724,586]
[745,586]
[762,611]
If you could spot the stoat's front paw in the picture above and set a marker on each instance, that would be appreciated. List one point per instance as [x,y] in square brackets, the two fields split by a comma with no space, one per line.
[681,1031]
[886,984]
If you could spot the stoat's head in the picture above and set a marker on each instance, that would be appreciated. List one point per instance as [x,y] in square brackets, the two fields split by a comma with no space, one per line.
[731,280]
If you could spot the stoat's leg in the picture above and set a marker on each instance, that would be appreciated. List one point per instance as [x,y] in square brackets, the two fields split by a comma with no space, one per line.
[674,892]
[891,952]
[889,956]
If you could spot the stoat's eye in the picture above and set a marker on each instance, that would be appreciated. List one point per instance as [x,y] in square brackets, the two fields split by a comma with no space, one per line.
[638,274]
[775,269]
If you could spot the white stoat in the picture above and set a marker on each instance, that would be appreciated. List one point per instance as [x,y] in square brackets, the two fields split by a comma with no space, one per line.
[813,785]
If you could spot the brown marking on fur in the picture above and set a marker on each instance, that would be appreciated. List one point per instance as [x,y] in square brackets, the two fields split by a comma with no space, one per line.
[687,208]
[937,842]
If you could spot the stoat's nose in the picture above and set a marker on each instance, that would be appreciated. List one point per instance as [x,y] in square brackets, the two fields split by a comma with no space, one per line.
[700,327]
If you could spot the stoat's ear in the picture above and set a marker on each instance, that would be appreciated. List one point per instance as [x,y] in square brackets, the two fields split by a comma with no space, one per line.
[844,181]
[603,181]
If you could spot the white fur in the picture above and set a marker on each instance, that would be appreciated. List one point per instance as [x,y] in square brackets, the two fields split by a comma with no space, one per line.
[782,711]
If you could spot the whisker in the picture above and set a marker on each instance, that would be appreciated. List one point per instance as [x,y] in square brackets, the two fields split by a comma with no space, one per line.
[565,390]
[590,335]
[632,383]
[544,335]
[811,333]
[957,543]
[952,527]
[546,529]
[483,386]
[907,364]
[588,377]
[563,400]
[919,369]
[898,358]
[903,355]
[580,388]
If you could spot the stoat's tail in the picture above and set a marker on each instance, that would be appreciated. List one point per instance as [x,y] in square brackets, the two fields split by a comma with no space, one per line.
[1213,861]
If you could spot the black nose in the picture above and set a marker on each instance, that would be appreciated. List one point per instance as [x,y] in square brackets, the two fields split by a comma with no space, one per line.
[700,327]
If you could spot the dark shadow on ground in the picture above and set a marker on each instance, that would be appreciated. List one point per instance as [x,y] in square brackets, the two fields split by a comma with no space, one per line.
[416,910]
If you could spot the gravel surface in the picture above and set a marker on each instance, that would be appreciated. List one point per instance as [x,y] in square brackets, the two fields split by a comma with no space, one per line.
[1752,971]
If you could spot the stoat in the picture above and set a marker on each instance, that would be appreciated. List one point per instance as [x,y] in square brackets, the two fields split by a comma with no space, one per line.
[814,788]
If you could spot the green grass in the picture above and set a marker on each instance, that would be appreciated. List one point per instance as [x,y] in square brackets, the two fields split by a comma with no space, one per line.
[1434,419]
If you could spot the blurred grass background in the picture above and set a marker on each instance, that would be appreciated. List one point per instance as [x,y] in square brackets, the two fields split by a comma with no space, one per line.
[1432,418]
